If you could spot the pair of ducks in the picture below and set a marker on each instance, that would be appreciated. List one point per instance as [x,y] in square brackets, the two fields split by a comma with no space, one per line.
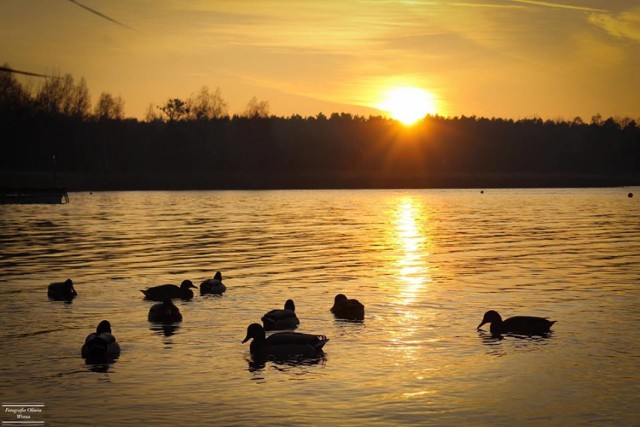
[167,312]
[101,346]
[284,344]
[212,286]
[343,308]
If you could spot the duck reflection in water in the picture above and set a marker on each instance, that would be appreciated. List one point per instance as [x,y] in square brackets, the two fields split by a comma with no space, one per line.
[497,346]
[257,362]
[101,368]
[163,329]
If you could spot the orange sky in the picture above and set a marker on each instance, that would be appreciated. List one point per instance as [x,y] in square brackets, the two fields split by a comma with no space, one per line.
[518,58]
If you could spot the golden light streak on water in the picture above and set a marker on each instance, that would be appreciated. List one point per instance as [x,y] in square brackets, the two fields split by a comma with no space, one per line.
[412,267]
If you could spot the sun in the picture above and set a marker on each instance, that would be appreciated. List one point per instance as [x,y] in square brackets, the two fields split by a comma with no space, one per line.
[408,104]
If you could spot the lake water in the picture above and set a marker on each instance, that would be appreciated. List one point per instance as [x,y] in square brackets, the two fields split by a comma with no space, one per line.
[426,263]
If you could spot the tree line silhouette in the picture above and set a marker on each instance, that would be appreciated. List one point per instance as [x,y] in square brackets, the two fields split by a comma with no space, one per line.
[194,143]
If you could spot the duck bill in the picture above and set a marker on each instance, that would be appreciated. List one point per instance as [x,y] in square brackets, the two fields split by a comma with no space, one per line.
[247,338]
[480,325]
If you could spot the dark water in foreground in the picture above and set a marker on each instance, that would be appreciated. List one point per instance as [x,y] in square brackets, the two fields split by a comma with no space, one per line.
[427,264]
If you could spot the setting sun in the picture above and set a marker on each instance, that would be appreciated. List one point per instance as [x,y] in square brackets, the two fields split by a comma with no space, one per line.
[408,104]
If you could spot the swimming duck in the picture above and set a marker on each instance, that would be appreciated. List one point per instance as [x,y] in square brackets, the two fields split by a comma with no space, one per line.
[101,344]
[62,291]
[348,309]
[164,312]
[524,325]
[284,343]
[213,286]
[163,292]
[281,319]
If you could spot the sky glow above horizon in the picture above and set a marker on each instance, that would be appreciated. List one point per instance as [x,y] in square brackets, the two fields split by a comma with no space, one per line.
[499,58]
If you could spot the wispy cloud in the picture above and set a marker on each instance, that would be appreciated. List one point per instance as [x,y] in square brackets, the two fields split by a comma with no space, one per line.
[625,25]
[102,15]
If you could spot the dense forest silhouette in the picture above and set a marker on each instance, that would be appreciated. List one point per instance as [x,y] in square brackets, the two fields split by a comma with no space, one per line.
[51,134]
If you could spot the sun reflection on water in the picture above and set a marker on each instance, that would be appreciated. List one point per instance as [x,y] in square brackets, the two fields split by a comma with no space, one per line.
[410,237]
[413,248]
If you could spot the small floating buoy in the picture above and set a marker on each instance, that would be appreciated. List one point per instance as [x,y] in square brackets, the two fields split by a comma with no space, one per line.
[630,195]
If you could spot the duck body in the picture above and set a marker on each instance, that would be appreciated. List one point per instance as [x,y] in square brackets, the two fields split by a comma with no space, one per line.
[164,292]
[347,309]
[213,286]
[522,325]
[101,345]
[284,344]
[164,312]
[279,319]
[62,291]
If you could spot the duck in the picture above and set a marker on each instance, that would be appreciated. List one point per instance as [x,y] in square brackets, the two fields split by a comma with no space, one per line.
[279,319]
[62,291]
[347,309]
[283,343]
[163,292]
[164,312]
[213,286]
[523,325]
[101,344]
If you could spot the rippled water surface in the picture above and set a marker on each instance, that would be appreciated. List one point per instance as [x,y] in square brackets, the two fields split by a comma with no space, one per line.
[426,264]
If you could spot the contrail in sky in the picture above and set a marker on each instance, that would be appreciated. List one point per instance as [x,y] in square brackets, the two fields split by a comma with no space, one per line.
[102,15]
[26,73]
[558,5]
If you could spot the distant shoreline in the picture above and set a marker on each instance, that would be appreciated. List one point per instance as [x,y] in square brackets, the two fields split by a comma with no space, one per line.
[340,152]
[284,181]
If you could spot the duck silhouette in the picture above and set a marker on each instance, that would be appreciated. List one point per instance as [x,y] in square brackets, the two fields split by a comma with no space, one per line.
[164,312]
[279,319]
[62,291]
[347,309]
[522,325]
[213,286]
[163,292]
[283,344]
[100,345]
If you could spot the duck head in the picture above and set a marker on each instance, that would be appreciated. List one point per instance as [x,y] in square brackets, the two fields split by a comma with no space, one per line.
[490,316]
[103,326]
[218,276]
[186,284]
[339,298]
[68,287]
[289,305]
[255,331]
[168,306]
